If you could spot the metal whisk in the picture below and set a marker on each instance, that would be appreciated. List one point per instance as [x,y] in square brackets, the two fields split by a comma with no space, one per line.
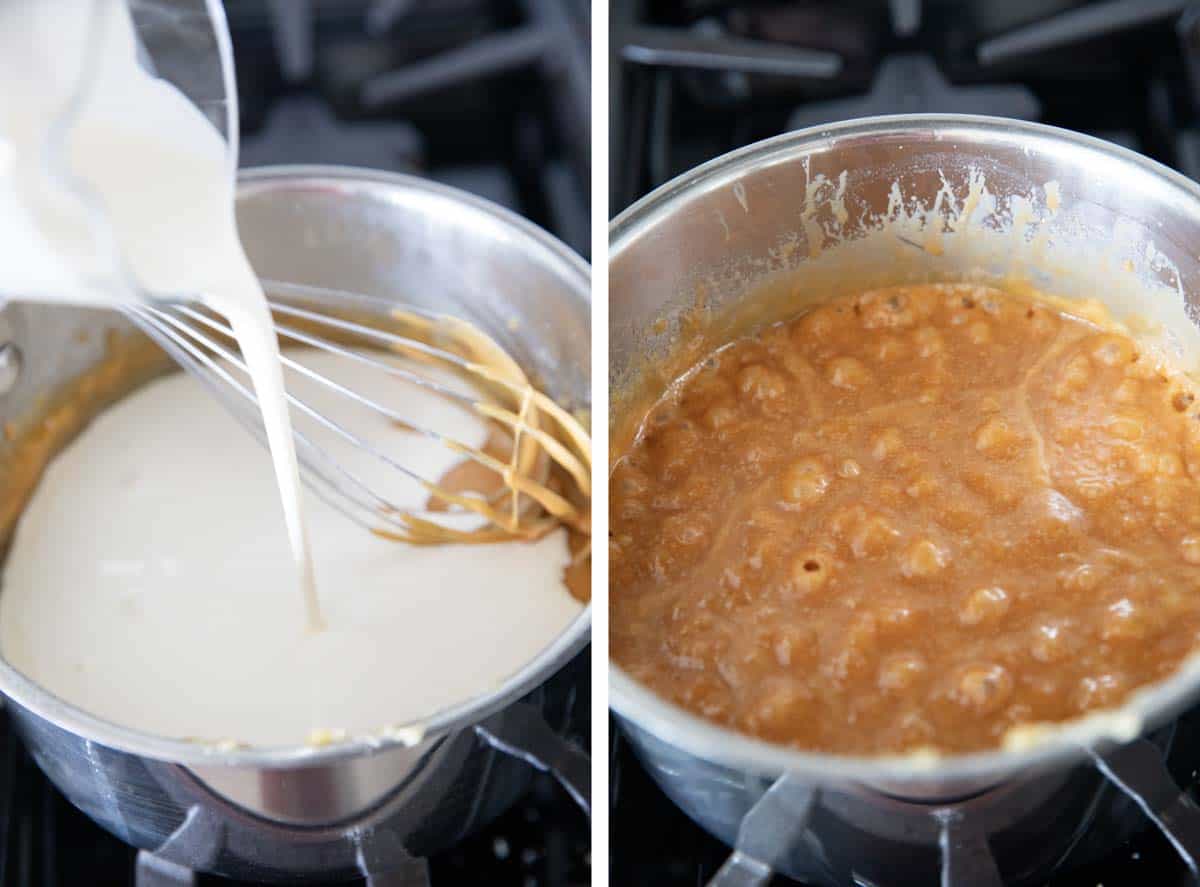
[546,477]
[545,482]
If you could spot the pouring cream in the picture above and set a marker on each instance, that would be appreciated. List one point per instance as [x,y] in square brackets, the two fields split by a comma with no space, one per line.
[160,171]
[150,581]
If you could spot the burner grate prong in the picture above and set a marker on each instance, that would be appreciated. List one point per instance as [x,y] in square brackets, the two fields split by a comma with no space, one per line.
[1138,769]
[154,871]
[1075,26]
[674,48]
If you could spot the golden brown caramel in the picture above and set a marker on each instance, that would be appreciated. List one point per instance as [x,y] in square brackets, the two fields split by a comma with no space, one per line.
[913,518]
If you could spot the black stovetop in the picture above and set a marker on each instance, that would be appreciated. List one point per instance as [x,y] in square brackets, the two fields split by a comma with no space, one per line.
[481,94]
[544,841]
[1120,69]
[654,844]
[1123,71]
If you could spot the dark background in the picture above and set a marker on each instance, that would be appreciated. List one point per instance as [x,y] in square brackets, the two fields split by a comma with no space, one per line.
[1118,70]
[480,94]
[545,841]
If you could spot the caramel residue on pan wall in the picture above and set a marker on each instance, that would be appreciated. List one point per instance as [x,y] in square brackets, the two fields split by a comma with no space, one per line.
[578,573]
[130,360]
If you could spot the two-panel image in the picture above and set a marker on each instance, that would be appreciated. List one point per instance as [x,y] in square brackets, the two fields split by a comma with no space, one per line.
[337,335]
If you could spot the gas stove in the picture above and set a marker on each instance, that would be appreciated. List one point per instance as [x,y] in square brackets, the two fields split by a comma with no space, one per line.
[544,841]
[484,95]
[692,80]
[654,843]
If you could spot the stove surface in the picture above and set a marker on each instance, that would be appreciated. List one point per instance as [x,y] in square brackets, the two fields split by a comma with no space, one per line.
[45,842]
[485,95]
[1123,70]
[652,842]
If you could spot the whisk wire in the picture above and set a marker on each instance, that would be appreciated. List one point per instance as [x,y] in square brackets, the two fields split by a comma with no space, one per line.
[508,400]
[517,482]
[329,383]
[353,439]
[400,344]
[214,375]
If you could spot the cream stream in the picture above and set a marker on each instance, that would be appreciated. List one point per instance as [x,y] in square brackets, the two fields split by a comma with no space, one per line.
[161,172]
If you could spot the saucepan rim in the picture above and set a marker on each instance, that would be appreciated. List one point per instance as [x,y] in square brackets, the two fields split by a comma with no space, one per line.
[703,739]
[553,254]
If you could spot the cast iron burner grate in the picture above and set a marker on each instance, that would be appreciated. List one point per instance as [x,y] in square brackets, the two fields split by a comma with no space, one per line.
[654,843]
[45,842]
[486,95]
[543,841]
[694,79]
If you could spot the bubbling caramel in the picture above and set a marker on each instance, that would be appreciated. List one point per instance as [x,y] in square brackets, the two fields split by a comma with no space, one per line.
[911,519]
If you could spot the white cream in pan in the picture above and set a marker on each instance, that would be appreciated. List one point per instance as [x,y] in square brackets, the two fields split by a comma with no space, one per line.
[151,582]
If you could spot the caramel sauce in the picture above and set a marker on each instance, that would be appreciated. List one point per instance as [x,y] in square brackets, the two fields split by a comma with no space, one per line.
[913,518]
[469,476]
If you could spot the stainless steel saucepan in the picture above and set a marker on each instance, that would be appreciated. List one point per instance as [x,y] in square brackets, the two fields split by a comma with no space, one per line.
[874,202]
[365,808]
